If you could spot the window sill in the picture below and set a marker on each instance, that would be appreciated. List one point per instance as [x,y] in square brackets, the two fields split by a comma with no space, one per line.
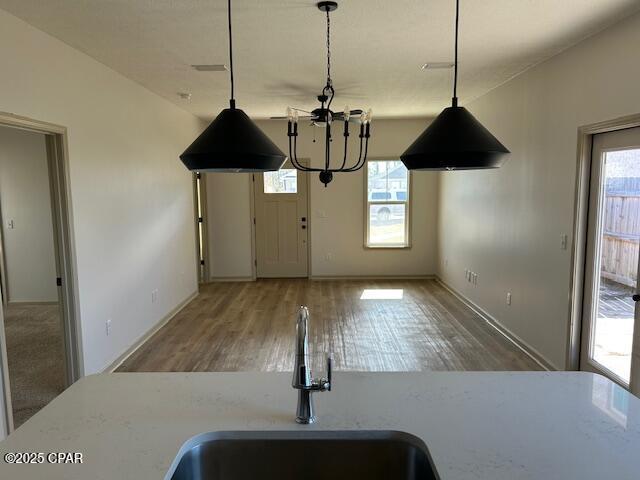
[387,247]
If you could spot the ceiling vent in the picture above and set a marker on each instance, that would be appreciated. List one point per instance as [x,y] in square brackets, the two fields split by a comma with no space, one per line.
[437,66]
[210,68]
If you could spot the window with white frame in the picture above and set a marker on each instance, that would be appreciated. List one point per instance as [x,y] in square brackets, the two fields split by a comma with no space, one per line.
[387,204]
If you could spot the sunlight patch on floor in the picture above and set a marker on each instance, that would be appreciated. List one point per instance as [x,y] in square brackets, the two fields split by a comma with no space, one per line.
[382,294]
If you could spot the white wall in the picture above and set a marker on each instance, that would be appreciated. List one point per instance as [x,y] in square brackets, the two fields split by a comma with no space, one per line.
[341,232]
[506,224]
[132,199]
[25,200]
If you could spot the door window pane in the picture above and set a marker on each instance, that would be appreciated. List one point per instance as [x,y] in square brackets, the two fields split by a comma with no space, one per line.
[619,234]
[284,180]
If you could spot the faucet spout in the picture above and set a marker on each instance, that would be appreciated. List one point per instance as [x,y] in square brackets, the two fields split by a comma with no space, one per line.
[303,380]
[301,370]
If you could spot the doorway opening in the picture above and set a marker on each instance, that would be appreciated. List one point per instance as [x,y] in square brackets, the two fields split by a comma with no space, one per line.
[38,335]
[281,223]
[607,248]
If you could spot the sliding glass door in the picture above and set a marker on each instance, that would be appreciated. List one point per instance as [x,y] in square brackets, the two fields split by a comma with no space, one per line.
[611,307]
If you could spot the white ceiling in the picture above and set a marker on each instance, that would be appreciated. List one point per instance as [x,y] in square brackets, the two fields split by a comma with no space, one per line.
[378,46]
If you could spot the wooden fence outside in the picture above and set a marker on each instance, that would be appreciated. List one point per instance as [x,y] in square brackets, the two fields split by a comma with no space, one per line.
[621,238]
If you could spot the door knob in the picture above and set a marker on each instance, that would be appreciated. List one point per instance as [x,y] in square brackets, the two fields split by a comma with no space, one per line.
[636,297]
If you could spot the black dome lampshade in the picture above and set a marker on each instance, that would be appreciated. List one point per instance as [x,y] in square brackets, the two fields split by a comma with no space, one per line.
[232,142]
[455,140]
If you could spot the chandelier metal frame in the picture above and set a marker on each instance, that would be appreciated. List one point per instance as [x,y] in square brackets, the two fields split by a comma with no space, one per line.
[324,115]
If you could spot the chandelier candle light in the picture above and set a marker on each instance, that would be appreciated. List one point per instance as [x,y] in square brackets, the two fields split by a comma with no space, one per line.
[324,117]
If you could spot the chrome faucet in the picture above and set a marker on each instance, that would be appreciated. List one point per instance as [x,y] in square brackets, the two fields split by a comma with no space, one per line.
[303,380]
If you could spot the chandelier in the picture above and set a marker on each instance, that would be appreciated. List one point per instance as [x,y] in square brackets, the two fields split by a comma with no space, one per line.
[325,117]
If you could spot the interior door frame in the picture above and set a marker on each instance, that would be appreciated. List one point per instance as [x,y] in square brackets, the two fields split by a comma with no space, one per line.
[4,284]
[580,228]
[62,219]
[252,207]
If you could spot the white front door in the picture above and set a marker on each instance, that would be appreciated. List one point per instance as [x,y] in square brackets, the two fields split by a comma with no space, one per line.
[282,223]
[610,311]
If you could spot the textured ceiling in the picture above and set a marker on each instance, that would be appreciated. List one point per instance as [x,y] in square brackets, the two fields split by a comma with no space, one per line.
[378,46]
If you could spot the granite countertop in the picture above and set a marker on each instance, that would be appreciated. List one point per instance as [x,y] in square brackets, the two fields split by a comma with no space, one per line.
[497,425]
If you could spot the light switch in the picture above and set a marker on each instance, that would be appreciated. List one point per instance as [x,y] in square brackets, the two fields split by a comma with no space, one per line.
[11,224]
[564,240]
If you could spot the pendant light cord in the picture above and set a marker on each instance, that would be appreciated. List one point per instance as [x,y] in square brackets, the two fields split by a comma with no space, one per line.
[232,102]
[454,100]
[329,82]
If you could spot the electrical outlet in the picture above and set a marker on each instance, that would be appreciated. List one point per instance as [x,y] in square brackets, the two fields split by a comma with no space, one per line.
[154,296]
[472,277]
[508,298]
[107,327]
[328,257]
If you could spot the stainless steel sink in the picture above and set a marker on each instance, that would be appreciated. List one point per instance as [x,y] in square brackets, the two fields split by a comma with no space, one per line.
[312,455]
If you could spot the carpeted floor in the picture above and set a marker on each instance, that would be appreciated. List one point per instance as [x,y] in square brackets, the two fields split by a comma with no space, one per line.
[36,357]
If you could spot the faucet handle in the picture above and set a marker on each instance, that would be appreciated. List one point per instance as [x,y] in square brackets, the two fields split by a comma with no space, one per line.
[324,384]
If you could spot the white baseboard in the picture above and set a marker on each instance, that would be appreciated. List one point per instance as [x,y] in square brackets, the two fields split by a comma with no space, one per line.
[231,279]
[140,341]
[508,334]
[328,277]
[372,277]
[27,303]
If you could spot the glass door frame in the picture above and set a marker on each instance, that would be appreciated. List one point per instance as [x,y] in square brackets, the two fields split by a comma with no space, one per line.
[624,139]
[201,226]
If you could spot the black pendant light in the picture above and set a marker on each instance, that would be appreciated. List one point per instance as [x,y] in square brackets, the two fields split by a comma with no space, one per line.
[455,140]
[232,142]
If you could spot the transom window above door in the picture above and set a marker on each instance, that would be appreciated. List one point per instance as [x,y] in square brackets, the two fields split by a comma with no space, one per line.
[387,192]
[284,180]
